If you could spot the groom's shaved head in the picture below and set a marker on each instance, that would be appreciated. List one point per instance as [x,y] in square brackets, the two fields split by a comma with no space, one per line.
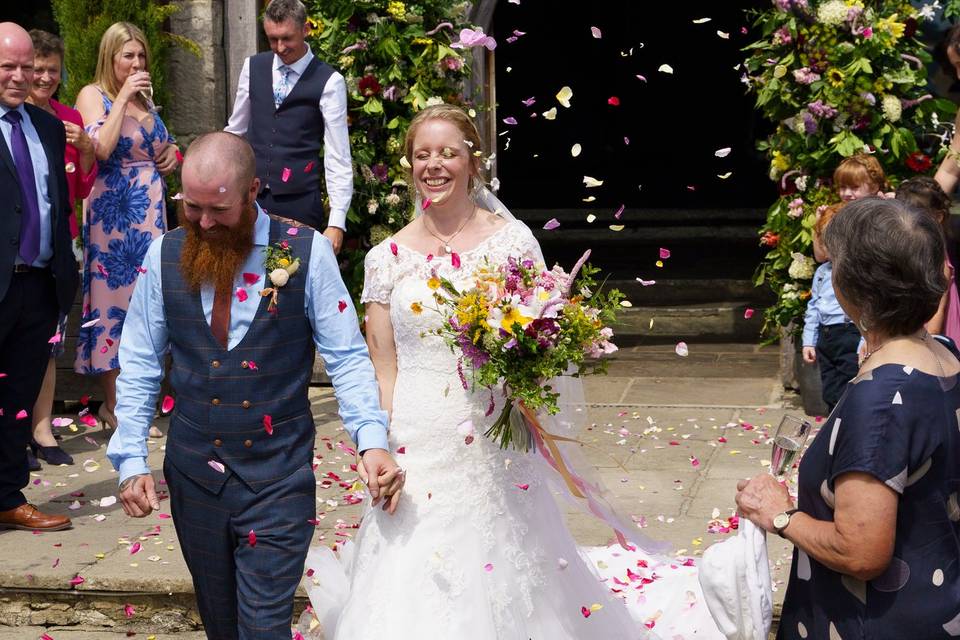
[221,156]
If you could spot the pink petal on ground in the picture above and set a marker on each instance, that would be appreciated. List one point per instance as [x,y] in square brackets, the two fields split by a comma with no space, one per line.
[285,174]
[522,487]
[217,466]
[252,538]
[268,424]
[552,224]
[251,278]
[88,420]
[129,610]
[167,405]
[77,580]
[682,350]
[241,294]
[585,612]
[694,461]
[292,231]
[393,248]
[135,547]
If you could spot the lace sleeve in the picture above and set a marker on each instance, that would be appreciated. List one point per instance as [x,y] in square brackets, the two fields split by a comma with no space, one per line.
[377,277]
[525,244]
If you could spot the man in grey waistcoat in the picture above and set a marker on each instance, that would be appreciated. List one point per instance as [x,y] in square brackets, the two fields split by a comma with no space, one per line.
[290,105]
[240,446]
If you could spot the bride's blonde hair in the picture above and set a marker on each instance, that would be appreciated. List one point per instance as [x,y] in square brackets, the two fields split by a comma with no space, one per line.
[455,116]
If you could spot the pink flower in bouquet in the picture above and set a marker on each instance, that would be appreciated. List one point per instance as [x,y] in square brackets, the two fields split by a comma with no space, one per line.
[453,64]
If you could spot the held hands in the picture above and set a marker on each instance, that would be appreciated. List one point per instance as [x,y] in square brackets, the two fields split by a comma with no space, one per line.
[138,496]
[761,498]
[809,355]
[135,82]
[383,478]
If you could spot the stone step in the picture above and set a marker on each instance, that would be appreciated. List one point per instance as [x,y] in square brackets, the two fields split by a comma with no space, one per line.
[711,322]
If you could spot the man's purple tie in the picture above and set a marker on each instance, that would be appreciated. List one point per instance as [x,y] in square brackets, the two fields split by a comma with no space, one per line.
[30,219]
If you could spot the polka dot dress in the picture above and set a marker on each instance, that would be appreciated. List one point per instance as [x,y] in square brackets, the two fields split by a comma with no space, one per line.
[901,426]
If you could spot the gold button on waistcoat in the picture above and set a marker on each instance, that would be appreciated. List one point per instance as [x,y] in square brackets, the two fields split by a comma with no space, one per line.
[215,401]
[215,364]
[248,443]
[218,442]
[245,404]
[244,364]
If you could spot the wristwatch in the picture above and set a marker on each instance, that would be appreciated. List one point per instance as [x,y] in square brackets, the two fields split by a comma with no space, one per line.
[782,520]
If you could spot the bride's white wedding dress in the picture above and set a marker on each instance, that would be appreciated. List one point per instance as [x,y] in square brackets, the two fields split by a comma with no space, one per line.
[478,547]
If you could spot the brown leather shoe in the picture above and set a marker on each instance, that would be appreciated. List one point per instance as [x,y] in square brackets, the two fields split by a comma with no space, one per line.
[27,517]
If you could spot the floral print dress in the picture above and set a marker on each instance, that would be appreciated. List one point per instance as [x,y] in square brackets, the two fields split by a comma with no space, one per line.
[124,212]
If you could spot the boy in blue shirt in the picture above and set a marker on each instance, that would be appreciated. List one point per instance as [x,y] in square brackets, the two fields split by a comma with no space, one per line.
[829,337]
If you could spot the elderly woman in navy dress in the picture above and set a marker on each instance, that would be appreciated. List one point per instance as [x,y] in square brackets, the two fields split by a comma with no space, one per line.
[877,525]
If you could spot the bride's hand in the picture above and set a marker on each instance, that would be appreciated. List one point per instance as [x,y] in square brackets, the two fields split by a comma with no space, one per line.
[383,477]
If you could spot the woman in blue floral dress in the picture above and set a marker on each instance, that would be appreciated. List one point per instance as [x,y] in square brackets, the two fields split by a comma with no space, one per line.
[126,209]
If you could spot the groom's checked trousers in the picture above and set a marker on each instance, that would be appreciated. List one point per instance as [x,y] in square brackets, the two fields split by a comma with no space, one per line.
[244,583]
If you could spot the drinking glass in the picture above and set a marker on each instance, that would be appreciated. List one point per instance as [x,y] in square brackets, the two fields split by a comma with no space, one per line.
[788,441]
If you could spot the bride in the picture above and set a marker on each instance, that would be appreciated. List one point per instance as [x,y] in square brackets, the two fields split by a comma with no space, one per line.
[477,546]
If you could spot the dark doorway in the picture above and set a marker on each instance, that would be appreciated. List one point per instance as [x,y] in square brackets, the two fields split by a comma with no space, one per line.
[35,14]
[655,149]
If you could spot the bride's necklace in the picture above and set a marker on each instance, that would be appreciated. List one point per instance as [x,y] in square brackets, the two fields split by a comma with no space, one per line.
[445,244]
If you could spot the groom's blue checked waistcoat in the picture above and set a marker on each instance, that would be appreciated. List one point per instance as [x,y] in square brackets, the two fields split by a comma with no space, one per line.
[223,396]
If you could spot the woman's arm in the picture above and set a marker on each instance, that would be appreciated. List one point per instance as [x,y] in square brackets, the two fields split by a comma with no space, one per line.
[383,351]
[859,541]
[90,106]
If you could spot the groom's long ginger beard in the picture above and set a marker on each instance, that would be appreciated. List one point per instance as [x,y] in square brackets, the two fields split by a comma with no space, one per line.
[215,257]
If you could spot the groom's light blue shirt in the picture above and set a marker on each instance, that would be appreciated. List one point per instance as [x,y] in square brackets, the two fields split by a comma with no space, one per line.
[336,335]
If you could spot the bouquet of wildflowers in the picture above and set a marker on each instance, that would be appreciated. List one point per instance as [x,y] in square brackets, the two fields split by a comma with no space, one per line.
[521,325]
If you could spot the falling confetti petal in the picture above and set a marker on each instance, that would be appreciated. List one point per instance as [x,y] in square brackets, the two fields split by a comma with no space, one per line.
[308,169]
[251,278]
[591,182]
[596,32]
[511,120]
[585,612]
[616,227]
[613,101]
[562,563]
[268,424]
[551,224]
[178,155]
[627,304]
[682,349]
[724,35]
[550,114]
[292,231]
[724,176]
[747,314]
[167,405]
[665,68]
[241,294]
[252,538]
[702,20]
[659,264]
[21,414]
[641,78]
[401,450]
[62,422]
[646,283]
[177,196]
[575,150]
[619,211]
[90,323]
[564,95]
[455,260]
[341,305]
[426,204]
[529,102]
[591,218]
[488,567]
[217,466]
[664,253]
[722,153]
[54,339]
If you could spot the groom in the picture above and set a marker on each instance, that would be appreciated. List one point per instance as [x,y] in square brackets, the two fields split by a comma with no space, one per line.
[240,447]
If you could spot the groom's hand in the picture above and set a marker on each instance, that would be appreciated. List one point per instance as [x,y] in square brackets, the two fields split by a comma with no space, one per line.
[138,496]
[383,477]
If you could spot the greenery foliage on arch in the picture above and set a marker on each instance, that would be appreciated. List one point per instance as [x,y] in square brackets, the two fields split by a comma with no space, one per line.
[396,58]
[837,78]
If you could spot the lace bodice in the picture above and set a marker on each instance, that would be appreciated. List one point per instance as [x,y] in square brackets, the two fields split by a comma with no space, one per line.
[396,275]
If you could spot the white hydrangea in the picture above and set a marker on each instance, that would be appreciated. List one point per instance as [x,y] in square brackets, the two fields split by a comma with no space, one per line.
[802,267]
[801,183]
[392,199]
[434,100]
[892,109]
[833,12]
[790,292]
[372,206]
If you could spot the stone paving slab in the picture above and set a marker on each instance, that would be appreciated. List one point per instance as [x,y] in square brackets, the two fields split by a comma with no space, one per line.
[670,467]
